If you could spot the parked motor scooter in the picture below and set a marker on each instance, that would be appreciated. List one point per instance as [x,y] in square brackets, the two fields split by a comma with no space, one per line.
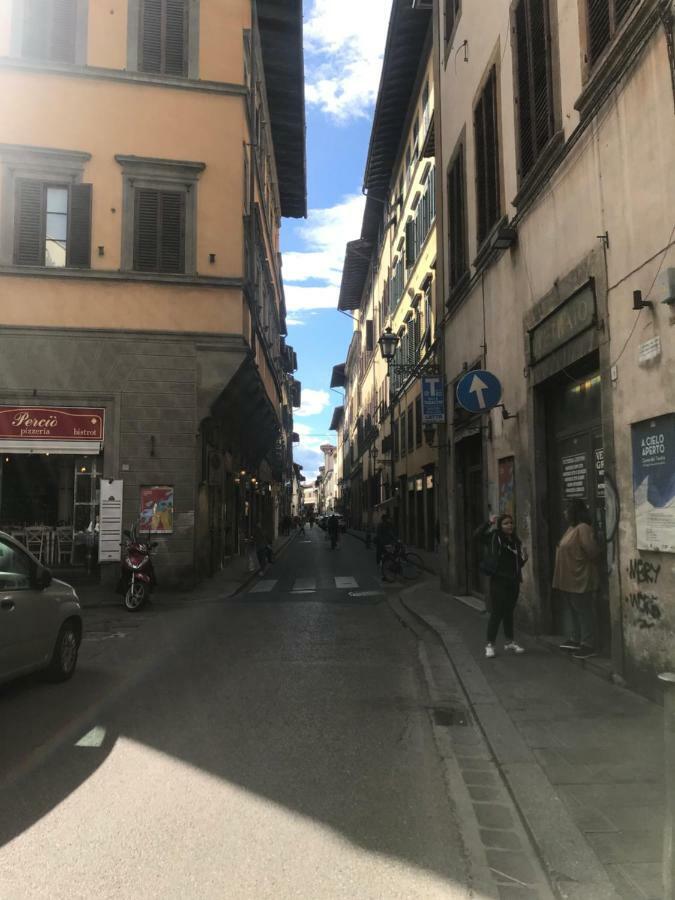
[137,576]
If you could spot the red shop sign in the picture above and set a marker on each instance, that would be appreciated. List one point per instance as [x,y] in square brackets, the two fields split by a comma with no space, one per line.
[39,423]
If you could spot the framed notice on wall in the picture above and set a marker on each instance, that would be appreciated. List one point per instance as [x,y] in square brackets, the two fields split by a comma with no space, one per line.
[110,520]
[654,482]
[156,509]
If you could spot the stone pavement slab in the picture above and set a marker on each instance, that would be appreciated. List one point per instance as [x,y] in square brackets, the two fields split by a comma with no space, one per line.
[582,757]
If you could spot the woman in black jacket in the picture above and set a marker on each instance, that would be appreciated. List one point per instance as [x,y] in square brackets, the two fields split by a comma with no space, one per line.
[503,561]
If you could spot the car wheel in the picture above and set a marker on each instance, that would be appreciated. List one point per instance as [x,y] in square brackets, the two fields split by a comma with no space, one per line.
[64,658]
[135,596]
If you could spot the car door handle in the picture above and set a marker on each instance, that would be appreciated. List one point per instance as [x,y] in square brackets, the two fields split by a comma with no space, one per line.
[6,604]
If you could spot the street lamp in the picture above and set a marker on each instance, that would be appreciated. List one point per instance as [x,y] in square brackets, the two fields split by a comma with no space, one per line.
[388,343]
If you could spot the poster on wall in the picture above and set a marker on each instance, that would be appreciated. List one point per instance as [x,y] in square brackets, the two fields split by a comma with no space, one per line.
[507,486]
[654,483]
[574,476]
[156,510]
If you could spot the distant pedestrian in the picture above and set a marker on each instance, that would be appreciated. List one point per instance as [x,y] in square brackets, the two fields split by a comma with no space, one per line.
[333,529]
[262,549]
[503,561]
[576,576]
[384,535]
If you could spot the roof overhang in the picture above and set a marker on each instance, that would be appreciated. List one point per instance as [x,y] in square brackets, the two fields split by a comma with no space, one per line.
[338,378]
[354,273]
[409,31]
[338,416]
[281,24]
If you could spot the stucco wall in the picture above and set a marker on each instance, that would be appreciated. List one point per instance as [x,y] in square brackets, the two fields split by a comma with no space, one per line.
[615,178]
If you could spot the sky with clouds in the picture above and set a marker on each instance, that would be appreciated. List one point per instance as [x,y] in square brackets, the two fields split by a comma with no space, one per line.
[344,43]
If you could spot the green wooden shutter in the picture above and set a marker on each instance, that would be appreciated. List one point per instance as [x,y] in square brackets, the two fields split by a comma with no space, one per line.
[79,226]
[35,29]
[598,28]
[175,38]
[63,29]
[29,246]
[146,230]
[150,56]
[172,231]
[525,90]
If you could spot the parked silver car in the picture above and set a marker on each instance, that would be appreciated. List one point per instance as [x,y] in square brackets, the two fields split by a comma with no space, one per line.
[40,617]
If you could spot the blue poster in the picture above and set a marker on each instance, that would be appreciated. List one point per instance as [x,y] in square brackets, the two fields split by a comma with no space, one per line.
[654,483]
[433,400]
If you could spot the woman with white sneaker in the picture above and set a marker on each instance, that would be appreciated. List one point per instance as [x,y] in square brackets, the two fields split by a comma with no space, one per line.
[503,563]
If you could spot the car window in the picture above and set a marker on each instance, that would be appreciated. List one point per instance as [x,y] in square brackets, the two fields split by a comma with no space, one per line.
[15,568]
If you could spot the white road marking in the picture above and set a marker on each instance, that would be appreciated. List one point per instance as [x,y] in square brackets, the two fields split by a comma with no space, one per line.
[263,587]
[345,581]
[304,584]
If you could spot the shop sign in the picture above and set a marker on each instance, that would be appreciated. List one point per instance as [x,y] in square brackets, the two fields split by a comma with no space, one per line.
[433,400]
[654,483]
[575,316]
[39,423]
[110,521]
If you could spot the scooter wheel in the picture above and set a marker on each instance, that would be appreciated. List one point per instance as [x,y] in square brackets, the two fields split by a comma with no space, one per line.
[135,597]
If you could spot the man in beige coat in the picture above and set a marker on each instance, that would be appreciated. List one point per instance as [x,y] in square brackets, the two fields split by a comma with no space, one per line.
[576,576]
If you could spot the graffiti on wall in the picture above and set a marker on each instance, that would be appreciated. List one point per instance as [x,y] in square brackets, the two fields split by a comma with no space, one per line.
[645,604]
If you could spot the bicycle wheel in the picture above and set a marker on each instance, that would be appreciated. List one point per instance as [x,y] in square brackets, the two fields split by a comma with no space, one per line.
[389,569]
[412,566]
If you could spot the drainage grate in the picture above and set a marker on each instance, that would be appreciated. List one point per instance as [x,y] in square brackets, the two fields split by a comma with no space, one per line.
[448,717]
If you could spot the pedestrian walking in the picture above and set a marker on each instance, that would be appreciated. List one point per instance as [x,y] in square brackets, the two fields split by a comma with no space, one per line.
[576,576]
[503,561]
[333,529]
[384,534]
[262,549]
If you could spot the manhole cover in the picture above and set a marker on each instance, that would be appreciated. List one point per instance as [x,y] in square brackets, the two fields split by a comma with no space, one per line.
[448,717]
[366,594]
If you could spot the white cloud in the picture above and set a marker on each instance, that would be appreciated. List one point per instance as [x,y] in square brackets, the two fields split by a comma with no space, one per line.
[344,45]
[307,452]
[295,321]
[324,234]
[313,402]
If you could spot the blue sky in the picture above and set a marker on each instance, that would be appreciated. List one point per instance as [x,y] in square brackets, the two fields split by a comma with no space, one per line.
[344,41]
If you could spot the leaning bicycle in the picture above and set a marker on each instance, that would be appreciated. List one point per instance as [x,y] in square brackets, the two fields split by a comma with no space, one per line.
[397,562]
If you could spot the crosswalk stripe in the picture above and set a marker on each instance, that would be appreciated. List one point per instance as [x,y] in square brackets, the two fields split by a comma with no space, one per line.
[263,587]
[345,581]
[304,584]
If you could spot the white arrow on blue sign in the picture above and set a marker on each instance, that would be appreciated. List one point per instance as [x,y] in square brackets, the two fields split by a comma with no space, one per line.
[479,391]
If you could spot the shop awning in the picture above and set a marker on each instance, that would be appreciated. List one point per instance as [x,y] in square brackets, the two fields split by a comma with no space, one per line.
[63,448]
[354,273]
[338,378]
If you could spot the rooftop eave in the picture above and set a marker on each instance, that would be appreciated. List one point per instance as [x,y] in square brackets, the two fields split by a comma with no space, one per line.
[281,37]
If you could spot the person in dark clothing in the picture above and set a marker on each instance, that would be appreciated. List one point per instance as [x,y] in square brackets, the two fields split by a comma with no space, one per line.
[504,559]
[333,529]
[261,547]
[384,534]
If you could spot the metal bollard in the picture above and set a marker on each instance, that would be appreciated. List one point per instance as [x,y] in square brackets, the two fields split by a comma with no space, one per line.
[667,679]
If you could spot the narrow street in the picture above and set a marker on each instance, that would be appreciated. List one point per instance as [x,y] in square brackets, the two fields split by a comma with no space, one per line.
[275,745]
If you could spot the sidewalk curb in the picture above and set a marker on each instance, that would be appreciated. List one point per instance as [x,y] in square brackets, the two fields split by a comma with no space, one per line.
[571,865]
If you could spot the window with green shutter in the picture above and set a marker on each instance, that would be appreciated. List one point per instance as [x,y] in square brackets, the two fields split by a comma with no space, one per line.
[49,30]
[486,136]
[604,18]
[457,218]
[159,231]
[52,224]
[163,37]
[534,99]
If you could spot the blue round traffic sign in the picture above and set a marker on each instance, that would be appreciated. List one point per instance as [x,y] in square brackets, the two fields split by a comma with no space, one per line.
[478,391]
